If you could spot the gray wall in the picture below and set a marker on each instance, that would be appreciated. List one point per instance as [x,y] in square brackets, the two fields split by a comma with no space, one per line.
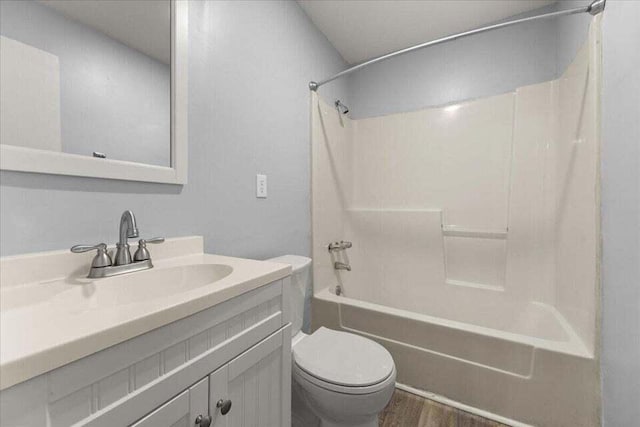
[621,214]
[113,99]
[483,65]
[250,63]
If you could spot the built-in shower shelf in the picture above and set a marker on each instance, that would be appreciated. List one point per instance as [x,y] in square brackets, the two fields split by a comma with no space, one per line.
[455,231]
[394,210]
[468,284]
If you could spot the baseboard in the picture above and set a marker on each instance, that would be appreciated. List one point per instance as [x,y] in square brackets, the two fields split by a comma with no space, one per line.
[461,406]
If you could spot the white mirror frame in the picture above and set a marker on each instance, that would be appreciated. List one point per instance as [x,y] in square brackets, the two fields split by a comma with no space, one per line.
[15,158]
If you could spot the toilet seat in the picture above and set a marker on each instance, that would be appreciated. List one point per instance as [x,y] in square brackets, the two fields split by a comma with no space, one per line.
[303,376]
[343,362]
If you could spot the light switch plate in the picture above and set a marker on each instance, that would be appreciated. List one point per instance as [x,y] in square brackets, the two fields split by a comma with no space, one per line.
[261,186]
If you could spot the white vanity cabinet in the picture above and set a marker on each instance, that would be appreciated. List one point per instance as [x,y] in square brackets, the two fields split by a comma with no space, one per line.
[238,350]
[252,386]
[257,383]
[248,391]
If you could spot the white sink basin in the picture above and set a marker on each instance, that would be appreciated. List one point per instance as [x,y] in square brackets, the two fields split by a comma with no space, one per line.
[142,286]
[137,287]
[68,316]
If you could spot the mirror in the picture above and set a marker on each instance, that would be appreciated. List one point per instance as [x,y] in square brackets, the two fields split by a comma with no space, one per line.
[94,88]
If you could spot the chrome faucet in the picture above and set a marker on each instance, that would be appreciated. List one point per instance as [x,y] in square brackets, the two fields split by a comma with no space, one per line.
[341,266]
[128,229]
[103,266]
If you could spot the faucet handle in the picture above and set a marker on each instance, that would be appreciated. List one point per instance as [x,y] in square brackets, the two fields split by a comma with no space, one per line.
[86,248]
[102,258]
[142,254]
[339,246]
[151,240]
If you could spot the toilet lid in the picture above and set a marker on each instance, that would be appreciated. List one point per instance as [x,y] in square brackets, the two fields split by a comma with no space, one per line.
[343,358]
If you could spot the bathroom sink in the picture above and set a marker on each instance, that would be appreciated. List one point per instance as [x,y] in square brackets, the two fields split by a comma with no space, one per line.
[71,316]
[143,286]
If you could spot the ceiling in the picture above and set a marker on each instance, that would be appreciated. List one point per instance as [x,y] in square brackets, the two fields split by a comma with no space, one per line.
[362,30]
[143,25]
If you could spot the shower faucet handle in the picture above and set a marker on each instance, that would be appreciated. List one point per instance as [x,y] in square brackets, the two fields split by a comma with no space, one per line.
[339,246]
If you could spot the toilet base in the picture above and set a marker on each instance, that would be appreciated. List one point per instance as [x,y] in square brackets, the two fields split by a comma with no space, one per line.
[371,423]
[303,416]
[333,409]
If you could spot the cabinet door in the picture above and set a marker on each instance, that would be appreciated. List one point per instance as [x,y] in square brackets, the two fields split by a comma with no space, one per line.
[258,384]
[182,410]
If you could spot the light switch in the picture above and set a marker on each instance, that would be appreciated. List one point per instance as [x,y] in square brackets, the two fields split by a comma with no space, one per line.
[261,186]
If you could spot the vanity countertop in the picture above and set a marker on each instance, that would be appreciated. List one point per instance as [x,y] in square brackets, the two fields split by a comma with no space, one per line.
[51,314]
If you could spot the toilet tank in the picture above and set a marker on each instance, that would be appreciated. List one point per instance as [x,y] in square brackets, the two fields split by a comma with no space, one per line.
[300,292]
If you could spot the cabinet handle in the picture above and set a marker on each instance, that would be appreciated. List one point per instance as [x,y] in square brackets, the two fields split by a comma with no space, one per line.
[224,405]
[203,421]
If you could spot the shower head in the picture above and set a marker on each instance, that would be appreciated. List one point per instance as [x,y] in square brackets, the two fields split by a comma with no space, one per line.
[343,109]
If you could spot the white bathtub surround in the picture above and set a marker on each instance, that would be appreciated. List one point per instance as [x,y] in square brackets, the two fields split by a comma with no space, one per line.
[70,316]
[475,243]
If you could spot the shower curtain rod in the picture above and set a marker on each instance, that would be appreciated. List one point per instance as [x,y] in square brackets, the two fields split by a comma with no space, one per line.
[594,8]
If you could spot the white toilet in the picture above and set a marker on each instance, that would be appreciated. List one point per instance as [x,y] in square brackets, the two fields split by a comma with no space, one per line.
[339,379]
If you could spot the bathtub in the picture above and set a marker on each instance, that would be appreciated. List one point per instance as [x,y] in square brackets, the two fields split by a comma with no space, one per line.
[521,363]
[475,243]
